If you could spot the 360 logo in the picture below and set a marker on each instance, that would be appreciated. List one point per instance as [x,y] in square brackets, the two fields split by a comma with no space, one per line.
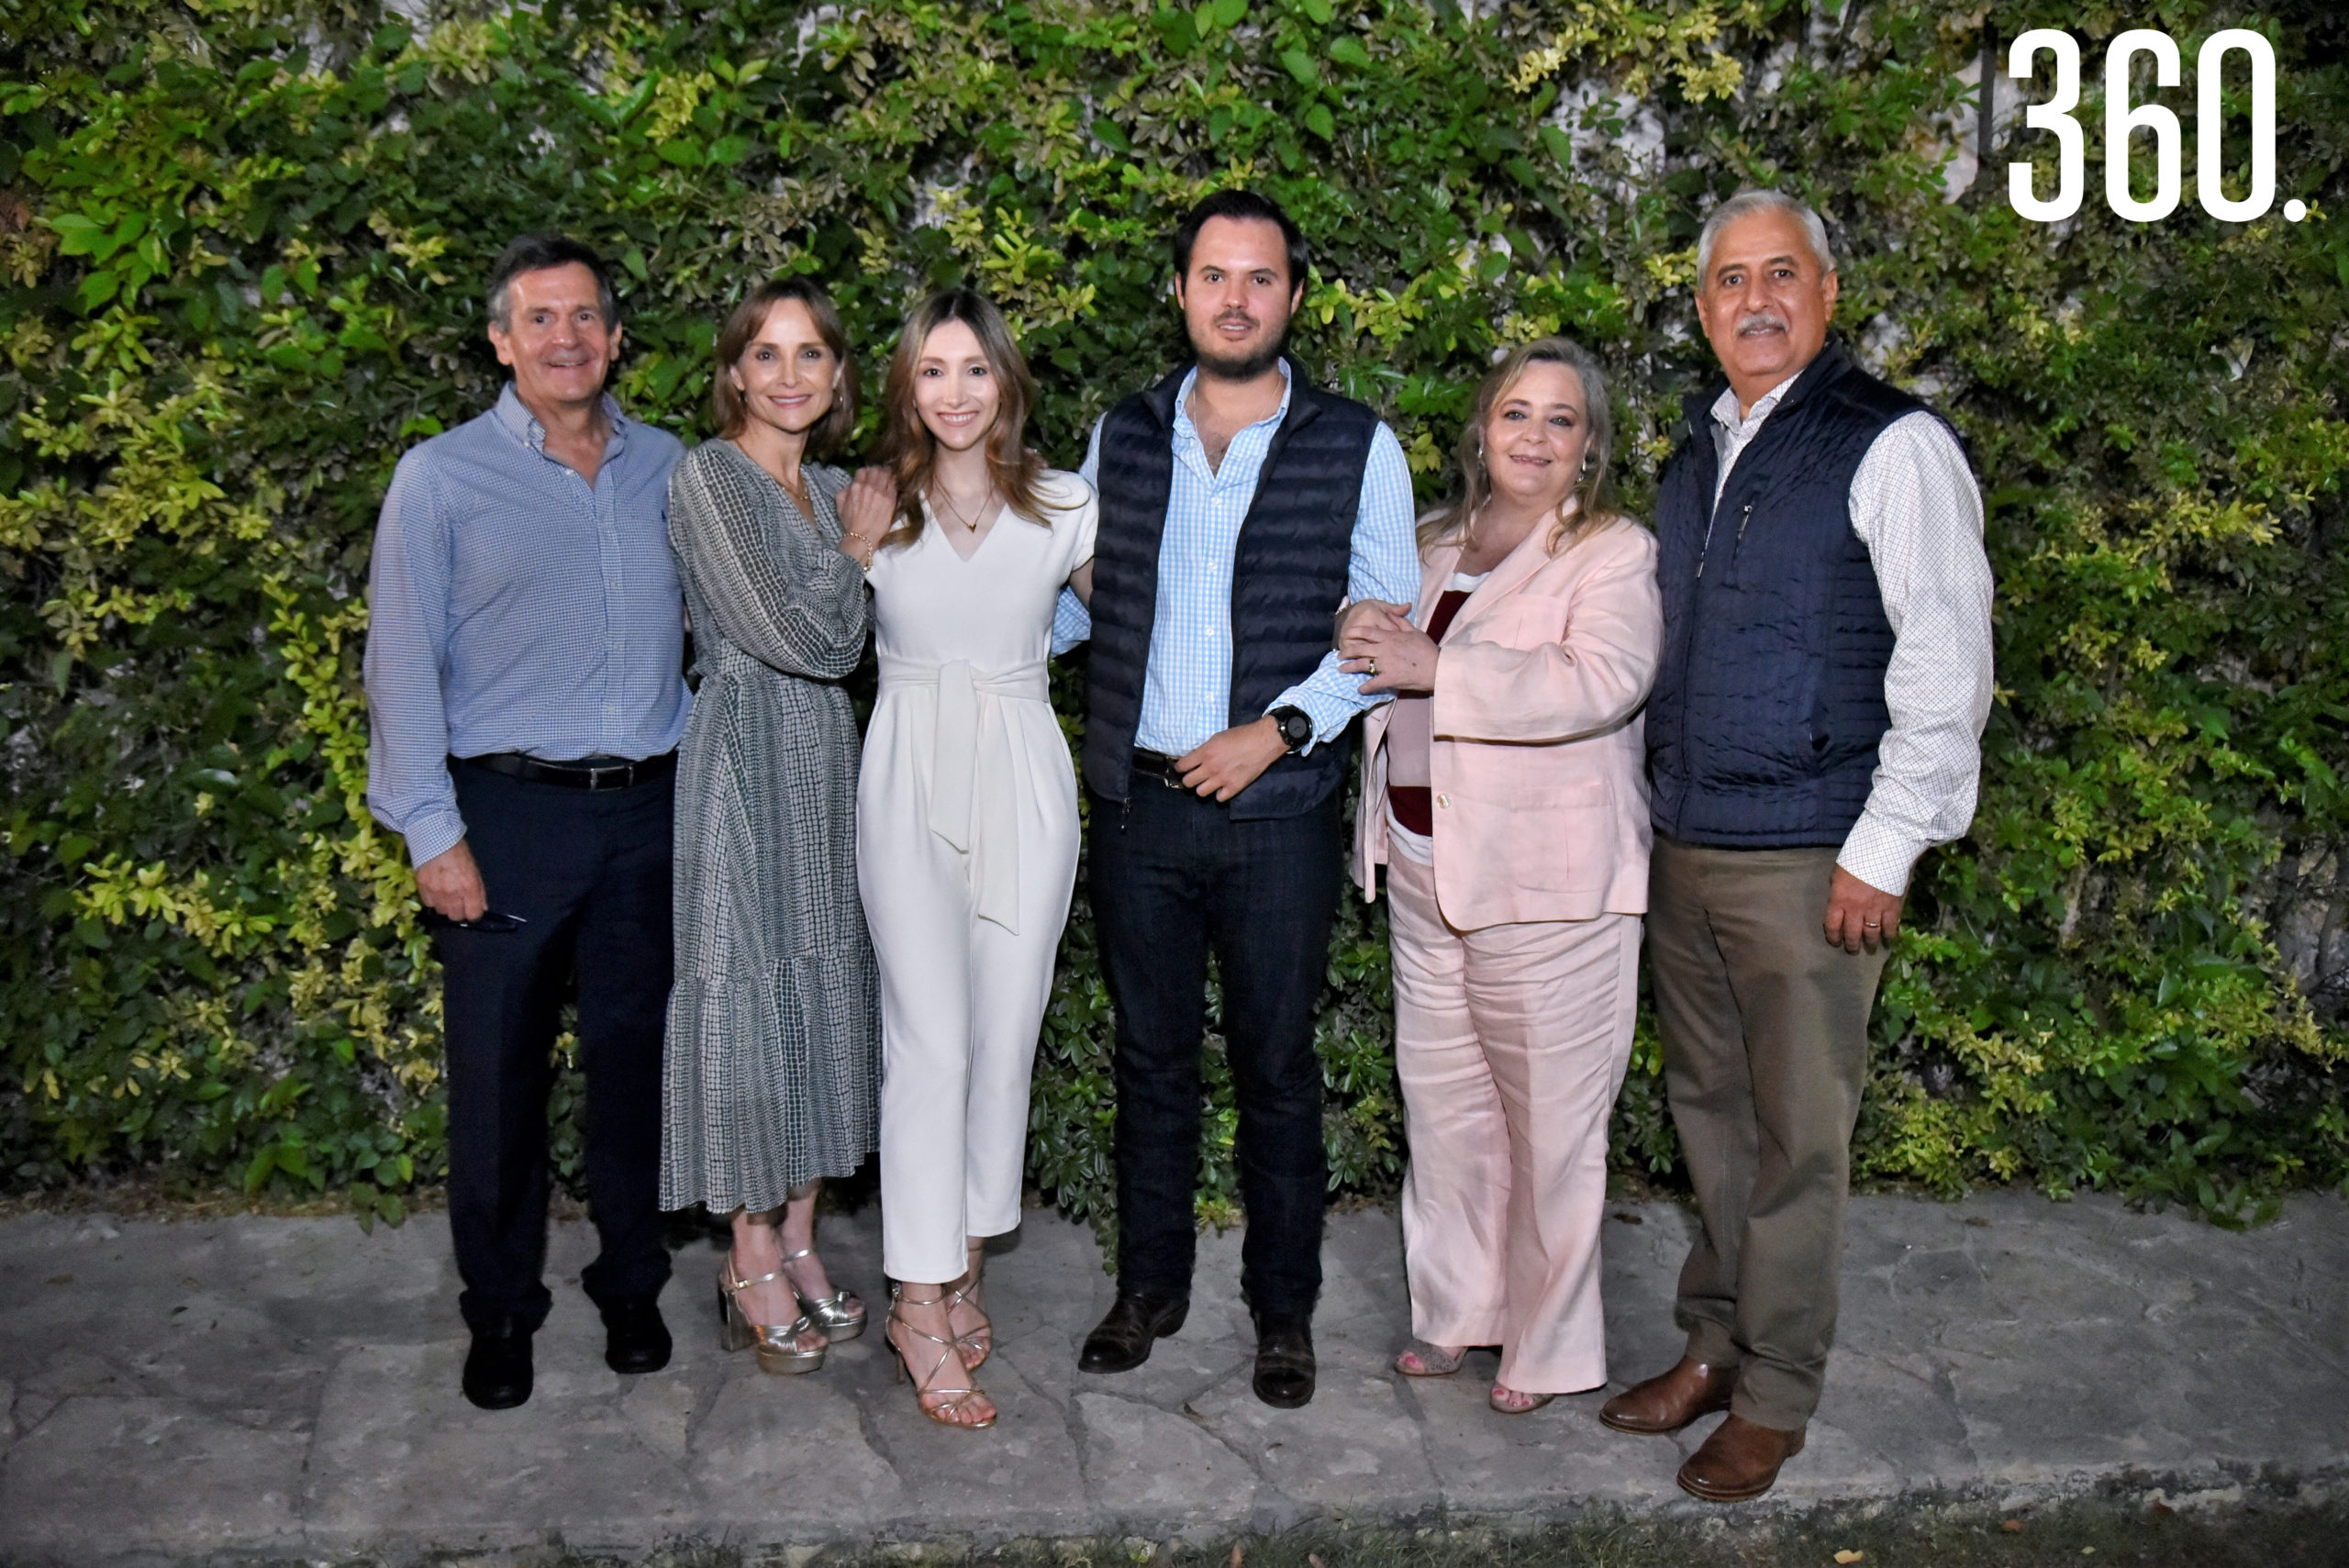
[2122,119]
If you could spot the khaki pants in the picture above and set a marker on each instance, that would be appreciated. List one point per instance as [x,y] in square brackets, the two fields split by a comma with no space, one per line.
[1764,1028]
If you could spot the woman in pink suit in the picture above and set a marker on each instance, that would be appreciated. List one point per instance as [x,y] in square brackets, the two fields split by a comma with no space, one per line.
[1505,791]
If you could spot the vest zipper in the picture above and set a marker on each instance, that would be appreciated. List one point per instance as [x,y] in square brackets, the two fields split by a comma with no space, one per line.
[1687,647]
[1737,545]
[1705,549]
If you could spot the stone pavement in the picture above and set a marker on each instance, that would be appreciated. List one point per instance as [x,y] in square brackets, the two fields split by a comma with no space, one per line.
[181,1390]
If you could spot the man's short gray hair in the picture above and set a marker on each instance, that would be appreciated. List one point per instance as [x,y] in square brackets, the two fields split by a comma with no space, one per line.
[536,252]
[1744,204]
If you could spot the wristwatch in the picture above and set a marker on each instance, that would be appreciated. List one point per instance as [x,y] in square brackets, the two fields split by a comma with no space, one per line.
[1297,726]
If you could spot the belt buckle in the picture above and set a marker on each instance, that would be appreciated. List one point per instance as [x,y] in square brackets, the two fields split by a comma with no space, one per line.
[620,776]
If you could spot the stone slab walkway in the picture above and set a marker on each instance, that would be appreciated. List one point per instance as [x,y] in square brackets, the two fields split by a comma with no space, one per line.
[288,1387]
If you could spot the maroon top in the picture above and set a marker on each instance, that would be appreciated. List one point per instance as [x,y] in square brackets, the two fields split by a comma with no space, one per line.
[1414,803]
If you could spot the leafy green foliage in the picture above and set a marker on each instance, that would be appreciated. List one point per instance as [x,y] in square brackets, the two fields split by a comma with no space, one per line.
[240,250]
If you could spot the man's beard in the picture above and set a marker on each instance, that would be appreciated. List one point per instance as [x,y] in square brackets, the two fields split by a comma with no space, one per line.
[1244,367]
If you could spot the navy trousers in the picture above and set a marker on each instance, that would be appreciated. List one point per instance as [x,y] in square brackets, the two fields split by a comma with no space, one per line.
[587,873]
[1175,878]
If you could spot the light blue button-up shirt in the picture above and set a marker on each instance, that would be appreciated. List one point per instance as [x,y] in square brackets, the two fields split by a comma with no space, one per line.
[1187,689]
[514,608]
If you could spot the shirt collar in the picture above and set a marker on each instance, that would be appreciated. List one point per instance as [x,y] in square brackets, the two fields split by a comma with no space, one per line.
[1183,424]
[524,427]
[1725,405]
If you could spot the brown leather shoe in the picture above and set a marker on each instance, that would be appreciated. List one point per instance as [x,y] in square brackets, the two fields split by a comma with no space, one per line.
[1669,1402]
[1739,1461]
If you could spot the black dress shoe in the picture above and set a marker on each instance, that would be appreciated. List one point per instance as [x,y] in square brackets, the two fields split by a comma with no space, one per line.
[498,1369]
[1135,1322]
[1284,1366]
[635,1340]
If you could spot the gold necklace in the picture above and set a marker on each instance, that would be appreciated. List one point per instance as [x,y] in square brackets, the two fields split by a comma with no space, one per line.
[969,524]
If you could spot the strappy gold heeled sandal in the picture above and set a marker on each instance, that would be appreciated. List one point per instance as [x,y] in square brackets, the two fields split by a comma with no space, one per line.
[833,1313]
[777,1344]
[979,1344]
[943,1406]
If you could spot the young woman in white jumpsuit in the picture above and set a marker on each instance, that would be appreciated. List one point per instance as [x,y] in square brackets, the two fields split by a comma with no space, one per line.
[966,819]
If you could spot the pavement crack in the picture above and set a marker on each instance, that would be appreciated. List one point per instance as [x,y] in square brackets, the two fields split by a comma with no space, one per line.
[305,1496]
[868,1426]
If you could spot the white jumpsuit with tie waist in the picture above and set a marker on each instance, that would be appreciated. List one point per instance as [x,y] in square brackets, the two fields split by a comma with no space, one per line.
[966,837]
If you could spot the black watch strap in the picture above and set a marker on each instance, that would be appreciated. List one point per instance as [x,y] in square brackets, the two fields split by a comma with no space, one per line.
[1297,726]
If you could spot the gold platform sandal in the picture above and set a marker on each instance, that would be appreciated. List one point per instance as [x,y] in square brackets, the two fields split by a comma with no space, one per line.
[777,1344]
[977,1344]
[944,1406]
[833,1313]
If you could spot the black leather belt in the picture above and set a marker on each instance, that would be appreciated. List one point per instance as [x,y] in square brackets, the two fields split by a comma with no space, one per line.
[588,774]
[1159,766]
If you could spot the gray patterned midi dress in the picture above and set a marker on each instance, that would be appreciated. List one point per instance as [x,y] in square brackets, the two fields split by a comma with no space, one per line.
[771,1066]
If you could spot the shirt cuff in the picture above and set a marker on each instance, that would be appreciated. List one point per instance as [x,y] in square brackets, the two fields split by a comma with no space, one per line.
[1880,855]
[1330,714]
[1071,622]
[434,835]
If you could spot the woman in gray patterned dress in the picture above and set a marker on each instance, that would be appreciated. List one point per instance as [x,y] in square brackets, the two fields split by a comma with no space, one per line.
[772,1052]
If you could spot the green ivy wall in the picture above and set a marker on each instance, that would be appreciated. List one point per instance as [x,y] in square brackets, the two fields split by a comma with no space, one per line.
[240,247]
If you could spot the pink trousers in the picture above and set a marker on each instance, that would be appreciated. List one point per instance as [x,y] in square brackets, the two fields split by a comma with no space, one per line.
[1511,1043]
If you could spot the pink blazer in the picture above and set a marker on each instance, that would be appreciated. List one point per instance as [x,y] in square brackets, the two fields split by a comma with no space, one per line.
[1539,760]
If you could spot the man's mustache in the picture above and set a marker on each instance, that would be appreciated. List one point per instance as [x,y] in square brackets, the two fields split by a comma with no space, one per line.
[1761,321]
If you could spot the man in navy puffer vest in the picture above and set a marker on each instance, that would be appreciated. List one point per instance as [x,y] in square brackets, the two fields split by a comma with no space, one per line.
[1241,508]
[1815,727]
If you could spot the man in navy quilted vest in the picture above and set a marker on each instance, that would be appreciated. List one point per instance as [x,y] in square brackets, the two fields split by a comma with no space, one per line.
[1241,508]
[1816,726]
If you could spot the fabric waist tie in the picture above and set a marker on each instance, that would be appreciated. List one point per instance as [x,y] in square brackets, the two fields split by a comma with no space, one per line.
[978,772]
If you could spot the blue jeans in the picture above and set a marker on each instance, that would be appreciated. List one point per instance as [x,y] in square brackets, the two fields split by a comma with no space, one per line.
[1174,878]
[589,873]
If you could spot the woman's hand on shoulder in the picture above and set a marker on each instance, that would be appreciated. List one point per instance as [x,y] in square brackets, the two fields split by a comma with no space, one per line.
[869,502]
[870,498]
[867,508]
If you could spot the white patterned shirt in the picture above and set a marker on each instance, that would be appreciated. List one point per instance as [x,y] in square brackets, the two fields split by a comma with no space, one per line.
[1915,506]
[1186,687]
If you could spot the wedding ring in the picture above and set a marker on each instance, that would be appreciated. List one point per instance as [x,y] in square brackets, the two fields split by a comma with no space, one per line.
[1870,922]
[1373,668]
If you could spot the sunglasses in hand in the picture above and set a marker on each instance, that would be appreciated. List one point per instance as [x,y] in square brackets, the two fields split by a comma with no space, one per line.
[489,920]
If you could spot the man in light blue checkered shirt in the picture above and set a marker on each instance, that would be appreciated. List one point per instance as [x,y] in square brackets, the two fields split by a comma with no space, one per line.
[1188,681]
[1241,508]
[526,692]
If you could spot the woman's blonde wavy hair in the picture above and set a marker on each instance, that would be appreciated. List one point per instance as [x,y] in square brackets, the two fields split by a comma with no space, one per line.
[1594,501]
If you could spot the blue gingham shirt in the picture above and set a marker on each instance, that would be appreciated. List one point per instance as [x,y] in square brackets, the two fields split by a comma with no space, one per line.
[512,607]
[1187,689]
